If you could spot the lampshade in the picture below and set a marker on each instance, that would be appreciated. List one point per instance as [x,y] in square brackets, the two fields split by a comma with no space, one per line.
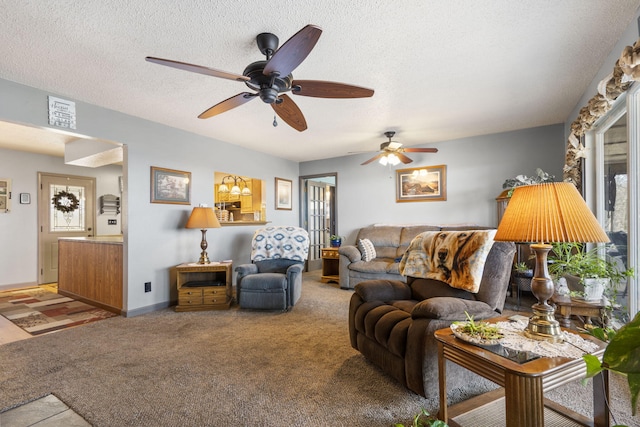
[223,188]
[235,190]
[202,217]
[549,212]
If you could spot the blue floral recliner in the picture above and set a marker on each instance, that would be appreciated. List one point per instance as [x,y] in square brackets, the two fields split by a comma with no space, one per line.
[273,281]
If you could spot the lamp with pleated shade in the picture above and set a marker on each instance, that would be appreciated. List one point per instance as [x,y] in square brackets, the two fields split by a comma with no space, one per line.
[203,218]
[543,214]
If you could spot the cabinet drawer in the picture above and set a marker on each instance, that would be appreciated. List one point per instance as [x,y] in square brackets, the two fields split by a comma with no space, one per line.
[214,291]
[330,253]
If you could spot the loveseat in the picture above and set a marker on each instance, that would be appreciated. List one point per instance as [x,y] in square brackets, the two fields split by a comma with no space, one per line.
[392,323]
[390,243]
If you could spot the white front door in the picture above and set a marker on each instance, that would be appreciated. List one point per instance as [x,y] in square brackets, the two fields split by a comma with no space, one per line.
[72,215]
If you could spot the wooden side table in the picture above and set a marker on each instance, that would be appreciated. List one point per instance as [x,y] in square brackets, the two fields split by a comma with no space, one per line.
[330,265]
[521,401]
[567,307]
[204,286]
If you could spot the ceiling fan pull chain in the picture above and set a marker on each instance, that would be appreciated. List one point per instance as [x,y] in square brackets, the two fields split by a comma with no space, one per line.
[275,123]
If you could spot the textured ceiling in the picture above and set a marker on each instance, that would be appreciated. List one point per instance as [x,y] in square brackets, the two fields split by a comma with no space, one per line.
[440,69]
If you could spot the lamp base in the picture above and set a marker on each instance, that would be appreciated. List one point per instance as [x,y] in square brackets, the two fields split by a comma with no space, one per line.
[204,258]
[542,325]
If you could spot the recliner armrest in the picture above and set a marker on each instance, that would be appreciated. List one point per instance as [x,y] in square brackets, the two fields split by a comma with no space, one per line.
[383,290]
[245,270]
[351,252]
[449,308]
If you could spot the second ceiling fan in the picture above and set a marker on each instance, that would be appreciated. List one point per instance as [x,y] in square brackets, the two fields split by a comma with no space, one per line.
[272,78]
[391,152]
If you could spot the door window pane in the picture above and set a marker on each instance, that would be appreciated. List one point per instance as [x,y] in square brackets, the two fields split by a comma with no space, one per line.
[75,219]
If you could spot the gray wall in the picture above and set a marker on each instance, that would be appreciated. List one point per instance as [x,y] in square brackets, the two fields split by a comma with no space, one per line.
[155,237]
[476,170]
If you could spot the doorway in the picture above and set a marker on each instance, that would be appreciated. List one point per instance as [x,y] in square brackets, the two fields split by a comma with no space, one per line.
[318,213]
[66,208]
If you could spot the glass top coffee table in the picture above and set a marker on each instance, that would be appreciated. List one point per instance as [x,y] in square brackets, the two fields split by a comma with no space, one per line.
[524,381]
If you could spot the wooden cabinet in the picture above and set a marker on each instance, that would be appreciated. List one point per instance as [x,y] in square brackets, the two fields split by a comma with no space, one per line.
[330,265]
[90,270]
[204,286]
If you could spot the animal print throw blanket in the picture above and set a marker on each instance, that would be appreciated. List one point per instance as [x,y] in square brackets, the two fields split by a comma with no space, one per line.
[280,242]
[454,257]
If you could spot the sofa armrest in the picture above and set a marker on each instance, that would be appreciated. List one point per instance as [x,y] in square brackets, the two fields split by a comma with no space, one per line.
[351,252]
[383,290]
[449,308]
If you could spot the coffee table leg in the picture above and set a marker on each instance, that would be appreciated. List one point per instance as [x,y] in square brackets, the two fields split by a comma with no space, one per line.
[524,401]
[600,398]
[442,382]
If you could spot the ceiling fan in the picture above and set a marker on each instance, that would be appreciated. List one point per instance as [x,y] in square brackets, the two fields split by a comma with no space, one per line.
[271,78]
[391,152]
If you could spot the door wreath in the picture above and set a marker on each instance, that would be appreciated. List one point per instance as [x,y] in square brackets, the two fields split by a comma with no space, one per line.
[65,202]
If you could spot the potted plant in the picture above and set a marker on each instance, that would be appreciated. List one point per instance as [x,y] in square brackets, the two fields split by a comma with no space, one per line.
[622,355]
[587,274]
[522,269]
[335,241]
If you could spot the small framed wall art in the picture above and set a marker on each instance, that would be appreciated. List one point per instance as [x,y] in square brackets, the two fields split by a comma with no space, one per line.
[170,186]
[283,194]
[25,198]
[425,184]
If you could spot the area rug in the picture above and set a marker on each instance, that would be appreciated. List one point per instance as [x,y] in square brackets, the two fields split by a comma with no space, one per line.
[39,311]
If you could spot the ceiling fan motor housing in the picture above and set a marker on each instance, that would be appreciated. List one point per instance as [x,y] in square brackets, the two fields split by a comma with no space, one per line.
[262,84]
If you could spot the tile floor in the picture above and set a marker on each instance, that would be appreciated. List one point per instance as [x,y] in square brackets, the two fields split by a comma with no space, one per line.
[48,411]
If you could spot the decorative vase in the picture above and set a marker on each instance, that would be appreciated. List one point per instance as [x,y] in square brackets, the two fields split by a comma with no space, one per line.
[335,243]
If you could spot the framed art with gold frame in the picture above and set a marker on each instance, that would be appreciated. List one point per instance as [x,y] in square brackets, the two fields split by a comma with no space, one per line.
[170,186]
[424,184]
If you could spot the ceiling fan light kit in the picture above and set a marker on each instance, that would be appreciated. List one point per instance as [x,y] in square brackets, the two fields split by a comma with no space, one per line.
[270,79]
[391,152]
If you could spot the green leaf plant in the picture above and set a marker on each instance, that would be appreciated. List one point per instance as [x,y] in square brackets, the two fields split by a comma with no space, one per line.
[622,355]
[424,419]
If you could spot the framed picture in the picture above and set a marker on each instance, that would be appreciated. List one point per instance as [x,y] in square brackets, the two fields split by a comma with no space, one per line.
[170,186]
[283,194]
[25,198]
[426,184]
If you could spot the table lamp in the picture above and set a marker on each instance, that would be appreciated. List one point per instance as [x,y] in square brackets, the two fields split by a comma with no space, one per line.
[203,217]
[543,214]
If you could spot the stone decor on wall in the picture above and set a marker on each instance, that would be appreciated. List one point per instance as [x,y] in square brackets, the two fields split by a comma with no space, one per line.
[625,72]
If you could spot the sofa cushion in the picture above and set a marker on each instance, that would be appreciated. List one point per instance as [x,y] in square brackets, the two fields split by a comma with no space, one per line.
[377,265]
[366,248]
[422,289]
[408,233]
[454,257]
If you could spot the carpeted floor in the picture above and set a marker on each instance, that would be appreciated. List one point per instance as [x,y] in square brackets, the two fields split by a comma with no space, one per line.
[39,311]
[227,368]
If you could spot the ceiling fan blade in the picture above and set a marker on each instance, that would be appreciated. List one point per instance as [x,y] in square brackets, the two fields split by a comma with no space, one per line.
[228,104]
[373,159]
[420,150]
[288,111]
[324,89]
[293,51]
[404,159]
[198,69]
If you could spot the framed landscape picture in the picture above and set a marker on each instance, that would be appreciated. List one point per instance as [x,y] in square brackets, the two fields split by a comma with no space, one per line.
[170,186]
[425,184]
[283,194]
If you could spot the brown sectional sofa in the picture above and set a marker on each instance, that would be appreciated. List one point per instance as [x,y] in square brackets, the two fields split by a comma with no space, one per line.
[390,242]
